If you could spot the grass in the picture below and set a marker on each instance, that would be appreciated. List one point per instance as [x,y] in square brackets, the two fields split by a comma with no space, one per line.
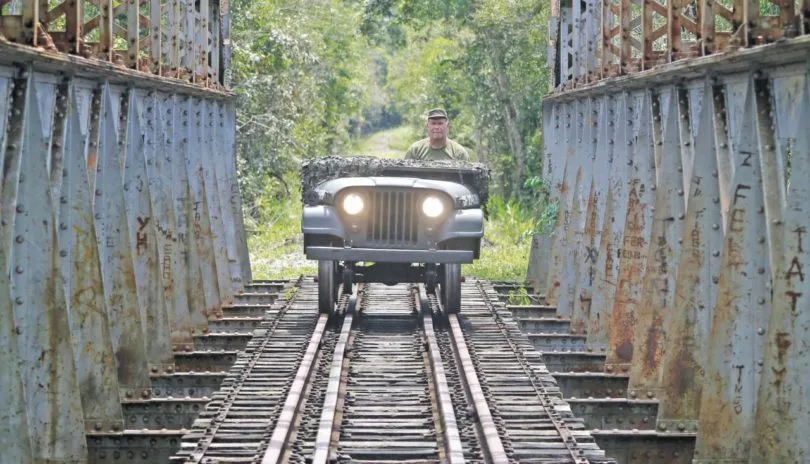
[389,143]
[505,248]
[276,248]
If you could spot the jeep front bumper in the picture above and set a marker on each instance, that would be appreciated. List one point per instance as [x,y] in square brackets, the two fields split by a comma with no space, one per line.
[379,255]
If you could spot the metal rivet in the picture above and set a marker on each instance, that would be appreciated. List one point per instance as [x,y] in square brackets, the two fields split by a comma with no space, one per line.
[716,200]
[680,192]
[680,216]
[777,222]
[20,208]
[63,253]
[18,269]
[715,279]
[760,363]
[18,300]
[62,226]
[715,253]
[760,331]
[19,239]
[715,226]
[761,301]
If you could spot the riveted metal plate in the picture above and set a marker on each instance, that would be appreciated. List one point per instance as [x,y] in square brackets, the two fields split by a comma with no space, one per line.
[592,384]
[134,446]
[162,413]
[187,384]
[645,447]
[615,413]
[204,361]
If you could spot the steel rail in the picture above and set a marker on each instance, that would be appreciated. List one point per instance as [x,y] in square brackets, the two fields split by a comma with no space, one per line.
[577,454]
[492,441]
[284,424]
[323,442]
[198,454]
[289,412]
[452,439]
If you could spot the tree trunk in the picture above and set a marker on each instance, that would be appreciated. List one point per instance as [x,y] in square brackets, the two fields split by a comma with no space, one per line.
[508,106]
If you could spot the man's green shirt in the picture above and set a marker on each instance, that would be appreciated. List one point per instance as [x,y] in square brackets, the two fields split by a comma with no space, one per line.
[452,151]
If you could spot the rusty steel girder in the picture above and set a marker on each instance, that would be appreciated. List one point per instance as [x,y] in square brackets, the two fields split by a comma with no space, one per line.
[594,40]
[699,287]
[175,39]
[120,238]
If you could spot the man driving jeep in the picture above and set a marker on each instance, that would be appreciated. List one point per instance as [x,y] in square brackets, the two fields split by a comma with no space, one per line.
[437,146]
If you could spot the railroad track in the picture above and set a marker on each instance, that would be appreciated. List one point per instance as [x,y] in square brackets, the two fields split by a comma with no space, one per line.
[389,377]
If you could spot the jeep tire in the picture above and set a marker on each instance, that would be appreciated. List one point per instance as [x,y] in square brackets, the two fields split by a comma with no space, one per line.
[327,289]
[451,288]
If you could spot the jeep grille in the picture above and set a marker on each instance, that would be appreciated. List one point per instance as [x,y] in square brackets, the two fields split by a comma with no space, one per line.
[392,217]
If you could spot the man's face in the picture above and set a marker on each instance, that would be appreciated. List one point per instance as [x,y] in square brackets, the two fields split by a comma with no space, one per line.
[437,128]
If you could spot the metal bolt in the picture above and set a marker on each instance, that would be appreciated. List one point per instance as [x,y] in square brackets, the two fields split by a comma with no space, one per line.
[715,279]
[761,270]
[760,331]
[98,426]
[715,253]
[18,300]
[19,239]
[20,208]
[760,363]
[63,253]
[715,226]
[680,192]
[777,222]
[761,301]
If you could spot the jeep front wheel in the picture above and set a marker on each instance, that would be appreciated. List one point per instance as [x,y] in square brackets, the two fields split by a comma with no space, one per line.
[451,288]
[327,291]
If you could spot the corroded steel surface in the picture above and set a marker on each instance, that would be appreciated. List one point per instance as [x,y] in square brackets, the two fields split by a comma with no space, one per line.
[711,320]
[89,241]
[598,40]
[174,39]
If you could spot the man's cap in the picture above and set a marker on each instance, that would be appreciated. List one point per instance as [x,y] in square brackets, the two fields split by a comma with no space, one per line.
[437,113]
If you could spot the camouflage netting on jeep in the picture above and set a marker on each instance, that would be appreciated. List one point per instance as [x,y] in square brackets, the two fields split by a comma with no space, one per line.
[318,170]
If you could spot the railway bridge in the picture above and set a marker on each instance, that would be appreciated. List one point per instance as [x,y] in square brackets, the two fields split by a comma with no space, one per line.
[668,317]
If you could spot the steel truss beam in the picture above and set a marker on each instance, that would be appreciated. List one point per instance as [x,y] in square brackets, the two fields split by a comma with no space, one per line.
[698,255]
[598,39]
[121,236]
[177,39]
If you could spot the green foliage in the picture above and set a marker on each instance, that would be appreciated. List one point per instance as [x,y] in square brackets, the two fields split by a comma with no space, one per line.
[518,297]
[301,73]
[505,248]
[274,236]
[313,78]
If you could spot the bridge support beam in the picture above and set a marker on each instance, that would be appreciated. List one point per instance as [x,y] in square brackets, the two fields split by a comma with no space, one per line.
[699,288]
[96,178]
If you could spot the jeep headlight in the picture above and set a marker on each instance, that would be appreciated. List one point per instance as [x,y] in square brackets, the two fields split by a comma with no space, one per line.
[353,204]
[432,207]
